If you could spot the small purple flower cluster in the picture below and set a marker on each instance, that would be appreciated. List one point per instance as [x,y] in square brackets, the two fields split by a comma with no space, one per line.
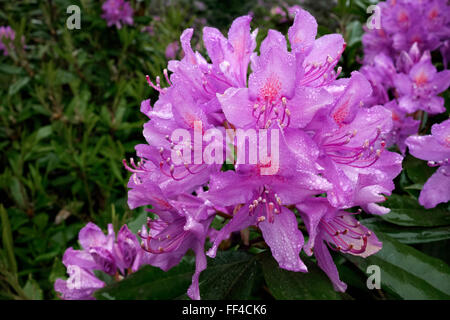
[398,65]
[117,12]
[332,150]
[405,22]
[114,257]
[6,33]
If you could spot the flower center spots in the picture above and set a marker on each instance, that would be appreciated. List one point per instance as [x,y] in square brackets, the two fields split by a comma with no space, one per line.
[395,116]
[402,17]
[271,88]
[447,141]
[421,79]
[341,112]
[433,14]
[270,107]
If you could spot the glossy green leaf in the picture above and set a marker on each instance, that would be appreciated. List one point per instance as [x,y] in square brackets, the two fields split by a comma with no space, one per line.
[408,235]
[231,275]
[288,285]
[407,272]
[406,211]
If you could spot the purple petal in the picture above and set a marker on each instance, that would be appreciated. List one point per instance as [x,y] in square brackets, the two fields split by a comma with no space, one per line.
[237,107]
[312,211]
[437,189]
[358,89]
[326,263]
[80,258]
[91,236]
[285,240]
[426,148]
[200,265]
[304,105]
[80,285]
[303,32]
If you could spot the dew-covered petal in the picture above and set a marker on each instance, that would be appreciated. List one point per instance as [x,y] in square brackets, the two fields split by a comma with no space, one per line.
[437,189]
[237,107]
[306,102]
[285,240]
[303,32]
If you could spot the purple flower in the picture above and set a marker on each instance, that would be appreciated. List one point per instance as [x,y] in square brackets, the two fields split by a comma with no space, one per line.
[6,34]
[80,285]
[127,250]
[286,88]
[99,252]
[149,29]
[183,225]
[171,50]
[403,126]
[340,231]
[351,140]
[436,149]
[117,12]
[419,88]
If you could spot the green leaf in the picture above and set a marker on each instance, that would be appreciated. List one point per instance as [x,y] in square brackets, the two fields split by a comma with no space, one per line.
[140,218]
[408,235]
[7,240]
[406,211]
[150,283]
[283,284]
[231,275]
[19,84]
[417,170]
[407,272]
[16,192]
[9,69]
[58,271]
[43,132]
[32,289]
[354,33]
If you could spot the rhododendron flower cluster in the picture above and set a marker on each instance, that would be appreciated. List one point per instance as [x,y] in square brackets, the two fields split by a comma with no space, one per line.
[332,150]
[397,62]
[117,12]
[100,252]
